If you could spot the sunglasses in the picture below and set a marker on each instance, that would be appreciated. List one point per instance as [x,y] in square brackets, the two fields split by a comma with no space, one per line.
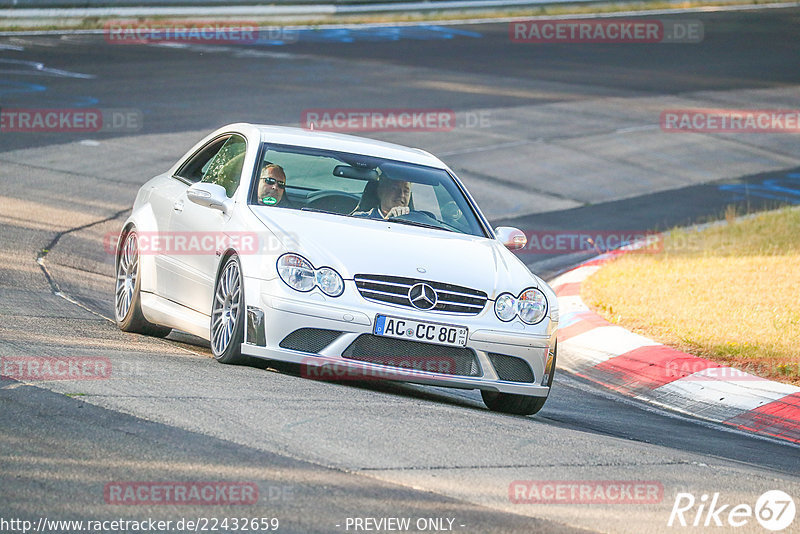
[273,181]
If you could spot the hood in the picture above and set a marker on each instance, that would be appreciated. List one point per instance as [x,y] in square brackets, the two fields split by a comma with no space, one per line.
[367,246]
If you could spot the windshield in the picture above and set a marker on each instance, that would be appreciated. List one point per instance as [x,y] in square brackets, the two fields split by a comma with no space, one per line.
[352,185]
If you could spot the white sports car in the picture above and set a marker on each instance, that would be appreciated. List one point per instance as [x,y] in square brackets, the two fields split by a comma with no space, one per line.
[279,243]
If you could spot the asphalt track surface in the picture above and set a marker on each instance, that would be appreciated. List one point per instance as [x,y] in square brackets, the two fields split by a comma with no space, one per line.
[322,452]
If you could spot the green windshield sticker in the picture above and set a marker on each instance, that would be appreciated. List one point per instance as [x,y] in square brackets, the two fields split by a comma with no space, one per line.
[269,201]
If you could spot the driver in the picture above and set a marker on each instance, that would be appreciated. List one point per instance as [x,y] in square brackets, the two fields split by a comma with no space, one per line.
[393,199]
[272,186]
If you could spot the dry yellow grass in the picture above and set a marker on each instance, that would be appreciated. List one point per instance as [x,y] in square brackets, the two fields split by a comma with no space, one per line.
[730,293]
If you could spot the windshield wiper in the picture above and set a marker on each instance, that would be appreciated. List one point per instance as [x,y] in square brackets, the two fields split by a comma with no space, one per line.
[420,224]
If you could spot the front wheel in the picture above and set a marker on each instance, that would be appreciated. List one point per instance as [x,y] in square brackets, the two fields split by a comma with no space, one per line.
[511,403]
[227,324]
[521,404]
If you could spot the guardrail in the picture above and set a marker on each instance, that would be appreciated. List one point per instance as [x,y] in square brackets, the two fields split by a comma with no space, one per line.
[15,9]
[22,4]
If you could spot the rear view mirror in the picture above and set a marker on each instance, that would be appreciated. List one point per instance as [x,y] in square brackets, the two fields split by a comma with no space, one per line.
[346,171]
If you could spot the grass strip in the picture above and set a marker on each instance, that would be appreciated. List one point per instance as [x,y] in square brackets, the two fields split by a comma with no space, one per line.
[729,293]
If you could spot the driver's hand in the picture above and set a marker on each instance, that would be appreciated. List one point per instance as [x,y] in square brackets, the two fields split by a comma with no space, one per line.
[398,211]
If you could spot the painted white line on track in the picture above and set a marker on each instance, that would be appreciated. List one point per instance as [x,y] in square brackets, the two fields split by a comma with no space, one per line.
[18,66]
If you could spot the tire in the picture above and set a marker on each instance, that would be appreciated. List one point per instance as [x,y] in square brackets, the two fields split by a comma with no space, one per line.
[518,404]
[127,288]
[227,317]
[511,403]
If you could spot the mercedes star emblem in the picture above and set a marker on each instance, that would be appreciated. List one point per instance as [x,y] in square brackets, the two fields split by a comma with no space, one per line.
[422,296]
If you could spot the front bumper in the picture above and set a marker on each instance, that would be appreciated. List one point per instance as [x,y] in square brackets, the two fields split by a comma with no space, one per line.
[274,311]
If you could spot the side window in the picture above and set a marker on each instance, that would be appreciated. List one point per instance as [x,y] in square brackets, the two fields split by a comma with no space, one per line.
[225,168]
[194,169]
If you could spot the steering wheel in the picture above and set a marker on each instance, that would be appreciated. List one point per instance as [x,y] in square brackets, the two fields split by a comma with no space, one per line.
[334,201]
[419,216]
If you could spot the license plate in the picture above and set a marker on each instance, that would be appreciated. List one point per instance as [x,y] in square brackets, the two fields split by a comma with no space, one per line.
[436,333]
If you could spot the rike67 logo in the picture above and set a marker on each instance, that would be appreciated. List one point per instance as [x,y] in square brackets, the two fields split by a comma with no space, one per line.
[774,510]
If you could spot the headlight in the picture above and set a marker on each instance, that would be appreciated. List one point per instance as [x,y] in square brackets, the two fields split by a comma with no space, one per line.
[505,307]
[299,274]
[530,306]
[330,282]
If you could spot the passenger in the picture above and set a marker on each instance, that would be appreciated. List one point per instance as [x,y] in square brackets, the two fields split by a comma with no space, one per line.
[393,199]
[272,186]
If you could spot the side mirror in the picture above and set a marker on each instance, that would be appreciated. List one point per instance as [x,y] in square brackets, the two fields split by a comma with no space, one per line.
[209,195]
[511,238]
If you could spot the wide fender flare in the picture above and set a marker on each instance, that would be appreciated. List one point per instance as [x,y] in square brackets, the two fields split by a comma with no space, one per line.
[144,220]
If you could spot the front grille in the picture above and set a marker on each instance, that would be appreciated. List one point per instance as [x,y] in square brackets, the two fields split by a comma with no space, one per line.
[309,339]
[394,290]
[511,368]
[413,355]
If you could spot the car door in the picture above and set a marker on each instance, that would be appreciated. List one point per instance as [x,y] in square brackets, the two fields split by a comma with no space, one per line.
[199,231]
[162,196]
[172,197]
